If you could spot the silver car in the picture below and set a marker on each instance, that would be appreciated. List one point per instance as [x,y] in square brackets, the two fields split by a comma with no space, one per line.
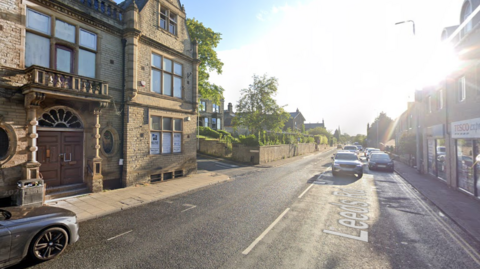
[42,232]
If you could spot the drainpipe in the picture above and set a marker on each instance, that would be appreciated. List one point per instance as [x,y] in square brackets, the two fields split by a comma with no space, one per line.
[122,152]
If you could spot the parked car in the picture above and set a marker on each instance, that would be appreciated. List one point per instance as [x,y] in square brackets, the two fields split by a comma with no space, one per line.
[369,151]
[351,148]
[339,147]
[42,232]
[347,162]
[380,161]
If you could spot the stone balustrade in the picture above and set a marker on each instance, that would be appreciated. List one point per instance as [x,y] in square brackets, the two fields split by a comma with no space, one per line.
[106,7]
[61,80]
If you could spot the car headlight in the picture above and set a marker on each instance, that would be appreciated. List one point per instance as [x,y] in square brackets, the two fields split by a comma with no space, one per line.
[336,165]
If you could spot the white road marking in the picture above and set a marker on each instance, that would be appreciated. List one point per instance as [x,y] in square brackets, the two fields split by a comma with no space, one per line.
[191,207]
[247,250]
[311,185]
[119,235]
[226,165]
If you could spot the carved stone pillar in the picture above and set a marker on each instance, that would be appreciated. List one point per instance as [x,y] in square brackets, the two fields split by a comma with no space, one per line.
[95,176]
[31,169]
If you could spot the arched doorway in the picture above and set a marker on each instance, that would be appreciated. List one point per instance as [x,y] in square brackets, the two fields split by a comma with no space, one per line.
[60,147]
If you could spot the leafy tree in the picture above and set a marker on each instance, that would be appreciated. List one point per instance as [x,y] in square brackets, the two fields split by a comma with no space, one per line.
[207,42]
[407,144]
[379,131]
[257,109]
[360,139]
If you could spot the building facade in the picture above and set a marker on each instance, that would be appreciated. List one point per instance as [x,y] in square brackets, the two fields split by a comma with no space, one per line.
[295,121]
[211,114]
[450,116]
[95,95]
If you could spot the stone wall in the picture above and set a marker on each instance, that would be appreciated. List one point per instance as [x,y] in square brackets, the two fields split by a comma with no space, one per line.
[266,154]
[214,147]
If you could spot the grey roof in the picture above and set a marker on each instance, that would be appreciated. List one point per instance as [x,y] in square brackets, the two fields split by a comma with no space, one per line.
[293,114]
[140,4]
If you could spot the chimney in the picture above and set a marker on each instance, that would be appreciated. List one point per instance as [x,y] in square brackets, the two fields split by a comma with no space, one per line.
[230,108]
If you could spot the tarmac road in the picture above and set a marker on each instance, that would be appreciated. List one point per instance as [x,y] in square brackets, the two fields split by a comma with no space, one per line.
[296,215]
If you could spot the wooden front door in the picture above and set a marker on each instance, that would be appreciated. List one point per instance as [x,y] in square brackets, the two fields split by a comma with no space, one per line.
[61,157]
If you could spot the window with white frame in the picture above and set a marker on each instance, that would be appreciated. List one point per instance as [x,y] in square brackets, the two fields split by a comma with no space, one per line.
[165,135]
[461,89]
[203,106]
[429,104]
[466,11]
[215,108]
[166,76]
[219,123]
[440,99]
[168,20]
[39,39]
[206,123]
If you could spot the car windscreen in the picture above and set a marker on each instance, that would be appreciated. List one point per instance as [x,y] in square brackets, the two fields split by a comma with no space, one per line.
[342,156]
[350,148]
[380,157]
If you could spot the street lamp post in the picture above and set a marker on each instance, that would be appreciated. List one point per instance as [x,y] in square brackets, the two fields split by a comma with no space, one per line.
[416,111]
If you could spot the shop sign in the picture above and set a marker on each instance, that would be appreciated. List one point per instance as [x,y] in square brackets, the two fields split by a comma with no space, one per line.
[435,131]
[466,129]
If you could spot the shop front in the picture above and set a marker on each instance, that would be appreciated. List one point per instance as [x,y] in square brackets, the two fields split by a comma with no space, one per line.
[436,153]
[466,135]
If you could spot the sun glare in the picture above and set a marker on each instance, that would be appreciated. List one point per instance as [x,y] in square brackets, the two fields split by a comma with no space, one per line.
[443,62]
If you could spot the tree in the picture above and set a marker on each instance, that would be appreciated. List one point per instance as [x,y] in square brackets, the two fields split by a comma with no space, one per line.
[359,138]
[207,42]
[257,109]
[379,131]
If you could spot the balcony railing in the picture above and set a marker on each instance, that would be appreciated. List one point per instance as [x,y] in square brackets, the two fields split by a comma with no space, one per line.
[61,80]
[106,7]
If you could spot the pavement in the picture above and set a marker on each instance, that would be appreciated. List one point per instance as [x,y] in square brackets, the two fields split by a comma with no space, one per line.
[95,205]
[462,208]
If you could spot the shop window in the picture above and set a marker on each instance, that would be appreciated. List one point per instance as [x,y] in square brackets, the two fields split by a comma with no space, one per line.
[465,161]
[166,135]
[4,144]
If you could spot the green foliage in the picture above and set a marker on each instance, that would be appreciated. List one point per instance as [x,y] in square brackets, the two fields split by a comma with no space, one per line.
[249,140]
[407,144]
[208,132]
[207,42]
[257,109]
[378,131]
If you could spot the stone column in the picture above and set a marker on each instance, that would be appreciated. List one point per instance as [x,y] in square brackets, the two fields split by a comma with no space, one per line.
[31,169]
[95,177]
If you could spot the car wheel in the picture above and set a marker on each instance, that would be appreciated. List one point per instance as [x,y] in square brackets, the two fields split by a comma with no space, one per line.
[360,175]
[49,243]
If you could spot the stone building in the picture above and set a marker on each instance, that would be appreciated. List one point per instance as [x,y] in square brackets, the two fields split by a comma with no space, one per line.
[211,114]
[295,121]
[95,95]
[309,126]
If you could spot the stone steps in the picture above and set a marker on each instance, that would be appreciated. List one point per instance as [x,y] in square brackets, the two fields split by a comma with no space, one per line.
[65,191]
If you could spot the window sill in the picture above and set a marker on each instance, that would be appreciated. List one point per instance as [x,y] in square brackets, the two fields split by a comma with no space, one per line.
[167,32]
[163,96]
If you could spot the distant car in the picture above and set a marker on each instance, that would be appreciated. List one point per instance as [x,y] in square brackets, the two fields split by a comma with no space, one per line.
[339,147]
[359,147]
[369,151]
[380,161]
[347,162]
[351,148]
[43,232]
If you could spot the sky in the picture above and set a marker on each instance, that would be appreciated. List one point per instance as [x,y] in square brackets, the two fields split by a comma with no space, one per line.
[339,61]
